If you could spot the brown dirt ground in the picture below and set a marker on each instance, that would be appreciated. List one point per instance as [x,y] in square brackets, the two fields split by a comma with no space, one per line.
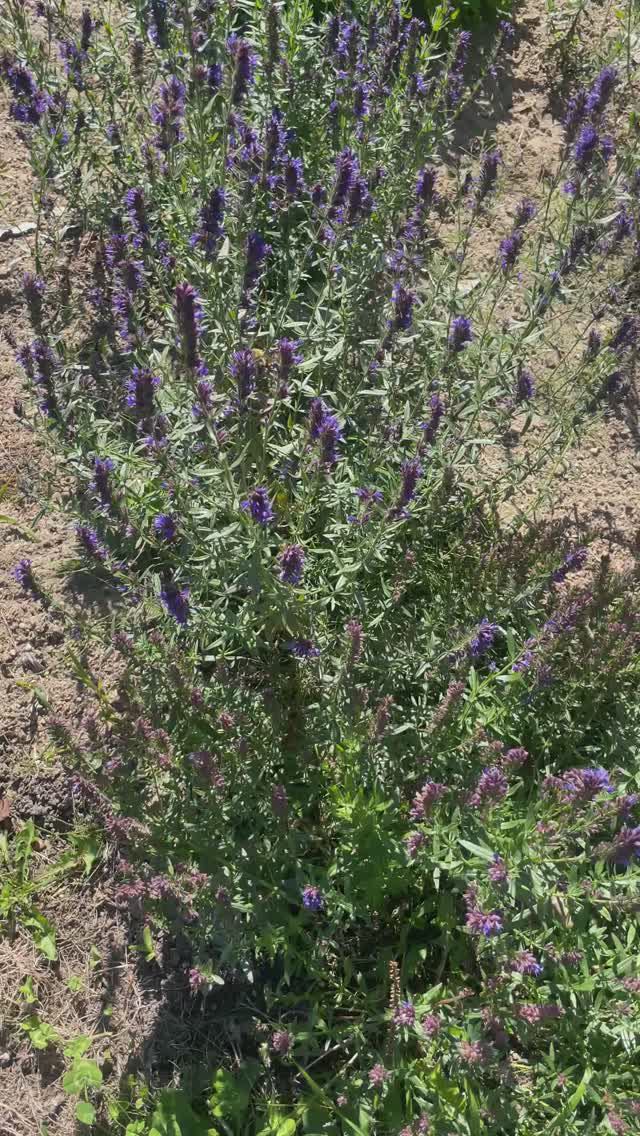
[34,640]
[598,485]
[595,489]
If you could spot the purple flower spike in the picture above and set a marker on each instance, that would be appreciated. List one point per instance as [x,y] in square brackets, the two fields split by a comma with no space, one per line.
[525,386]
[454,86]
[623,225]
[378,1075]
[354,631]
[23,574]
[361,101]
[281,1042]
[245,60]
[318,413]
[589,143]
[189,314]
[411,473]
[585,784]
[211,228]
[257,252]
[22,82]
[136,209]
[293,177]
[403,301]
[514,758]
[573,562]
[405,1014]
[275,140]
[425,186]
[204,394]
[510,249]
[87,27]
[483,639]
[176,601]
[168,112]
[259,506]
[484,923]
[34,289]
[492,787]
[116,250]
[131,273]
[488,175]
[292,560]
[497,870]
[461,333]
[347,169]
[243,370]
[534,1014]
[214,76]
[430,428]
[413,843]
[425,799]
[165,526]
[102,467]
[624,846]
[525,212]
[141,389]
[290,357]
[601,91]
[91,542]
[312,898]
[329,435]
[431,1025]
[273,38]
[302,648]
[318,195]
[576,113]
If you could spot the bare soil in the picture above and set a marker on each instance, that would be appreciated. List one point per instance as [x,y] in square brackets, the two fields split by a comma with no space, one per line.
[117,1002]
[595,488]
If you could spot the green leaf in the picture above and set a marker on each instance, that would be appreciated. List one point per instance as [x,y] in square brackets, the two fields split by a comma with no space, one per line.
[88,848]
[278,1126]
[44,936]
[78,1047]
[231,1094]
[174,1116]
[41,1034]
[83,1074]
[23,847]
[573,1102]
[47,944]
[38,692]
[334,351]
[149,949]
[27,990]
[85,1112]
[477,849]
